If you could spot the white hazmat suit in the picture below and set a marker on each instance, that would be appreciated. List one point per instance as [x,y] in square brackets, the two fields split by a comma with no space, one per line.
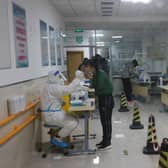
[51,103]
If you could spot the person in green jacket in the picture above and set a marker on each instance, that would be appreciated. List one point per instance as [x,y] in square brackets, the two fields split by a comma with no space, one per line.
[103,90]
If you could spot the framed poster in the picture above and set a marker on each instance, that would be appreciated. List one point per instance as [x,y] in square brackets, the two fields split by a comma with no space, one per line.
[44,43]
[52,45]
[20,35]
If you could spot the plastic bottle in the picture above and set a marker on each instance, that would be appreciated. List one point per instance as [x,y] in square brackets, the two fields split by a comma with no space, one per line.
[161,81]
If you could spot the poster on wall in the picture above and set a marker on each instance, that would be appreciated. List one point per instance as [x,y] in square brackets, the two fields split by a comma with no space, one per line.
[52,45]
[20,32]
[44,43]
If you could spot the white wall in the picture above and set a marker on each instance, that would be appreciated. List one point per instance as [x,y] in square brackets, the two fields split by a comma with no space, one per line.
[16,152]
[35,10]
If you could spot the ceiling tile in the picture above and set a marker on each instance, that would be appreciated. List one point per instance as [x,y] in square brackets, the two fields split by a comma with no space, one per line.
[63,7]
[84,7]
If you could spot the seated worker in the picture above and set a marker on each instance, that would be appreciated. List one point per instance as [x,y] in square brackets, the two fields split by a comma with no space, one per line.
[51,105]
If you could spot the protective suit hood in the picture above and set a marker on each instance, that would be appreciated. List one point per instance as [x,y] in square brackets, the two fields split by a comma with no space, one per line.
[54,77]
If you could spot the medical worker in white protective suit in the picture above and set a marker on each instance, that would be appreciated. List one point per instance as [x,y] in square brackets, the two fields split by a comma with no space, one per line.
[51,102]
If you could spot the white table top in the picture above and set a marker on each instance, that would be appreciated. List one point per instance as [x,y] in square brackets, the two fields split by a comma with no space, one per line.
[84,107]
[165,87]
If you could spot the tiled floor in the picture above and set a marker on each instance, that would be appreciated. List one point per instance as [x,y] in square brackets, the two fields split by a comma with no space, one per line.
[127,144]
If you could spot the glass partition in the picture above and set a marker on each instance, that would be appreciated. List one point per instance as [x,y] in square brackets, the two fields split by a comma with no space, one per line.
[147,45]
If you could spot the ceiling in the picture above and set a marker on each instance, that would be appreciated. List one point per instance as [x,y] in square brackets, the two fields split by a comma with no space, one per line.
[90,8]
[112,14]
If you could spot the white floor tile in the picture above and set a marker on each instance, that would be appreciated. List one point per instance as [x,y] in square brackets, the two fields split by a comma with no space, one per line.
[127,144]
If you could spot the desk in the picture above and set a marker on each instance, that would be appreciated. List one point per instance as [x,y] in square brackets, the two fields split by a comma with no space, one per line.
[86,109]
[141,88]
[117,85]
[164,96]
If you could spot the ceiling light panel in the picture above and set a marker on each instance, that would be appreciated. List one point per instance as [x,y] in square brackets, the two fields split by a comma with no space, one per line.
[138,1]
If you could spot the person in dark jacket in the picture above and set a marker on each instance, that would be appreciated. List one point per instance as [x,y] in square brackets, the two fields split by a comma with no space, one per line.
[128,72]
[103,90]
[81,66]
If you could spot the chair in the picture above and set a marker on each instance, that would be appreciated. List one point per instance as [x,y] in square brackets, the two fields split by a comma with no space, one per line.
[53,131]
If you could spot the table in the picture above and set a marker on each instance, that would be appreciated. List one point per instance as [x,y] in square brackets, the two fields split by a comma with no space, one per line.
[86,109]
[164,97]
[141,88]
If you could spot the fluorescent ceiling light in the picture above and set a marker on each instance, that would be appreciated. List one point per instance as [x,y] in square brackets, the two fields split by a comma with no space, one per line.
[98,35]
[44,37]
[100,43]
[117,37]
[138,1]
[117,41]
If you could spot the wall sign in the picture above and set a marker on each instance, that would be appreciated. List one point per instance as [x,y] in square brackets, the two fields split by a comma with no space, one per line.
[20,33]
[79,39]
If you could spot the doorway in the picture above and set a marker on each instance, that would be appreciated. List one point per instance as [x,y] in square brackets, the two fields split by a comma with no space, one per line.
[74,59]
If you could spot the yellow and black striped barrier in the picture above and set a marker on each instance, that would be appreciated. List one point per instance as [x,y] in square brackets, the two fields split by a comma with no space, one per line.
[123,103]
[136,123]
[152,146]
[155,139]
[163,160]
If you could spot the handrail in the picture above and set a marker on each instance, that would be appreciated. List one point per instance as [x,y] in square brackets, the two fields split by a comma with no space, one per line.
[13,116]
[17,129]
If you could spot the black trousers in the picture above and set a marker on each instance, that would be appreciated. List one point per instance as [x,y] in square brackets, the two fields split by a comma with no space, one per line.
[127,88]
[106,104]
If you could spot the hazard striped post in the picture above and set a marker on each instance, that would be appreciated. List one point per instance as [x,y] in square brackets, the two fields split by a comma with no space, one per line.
[155,140]
[136,123]
[163,160]
[123,103]
[152,146]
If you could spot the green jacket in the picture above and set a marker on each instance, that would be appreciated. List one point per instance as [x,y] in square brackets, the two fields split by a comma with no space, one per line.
[102,83]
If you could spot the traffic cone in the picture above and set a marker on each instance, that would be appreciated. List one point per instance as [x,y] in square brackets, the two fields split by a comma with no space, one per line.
[163,160]
[152,146]
[136,123]
[155,140]
[123,103]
